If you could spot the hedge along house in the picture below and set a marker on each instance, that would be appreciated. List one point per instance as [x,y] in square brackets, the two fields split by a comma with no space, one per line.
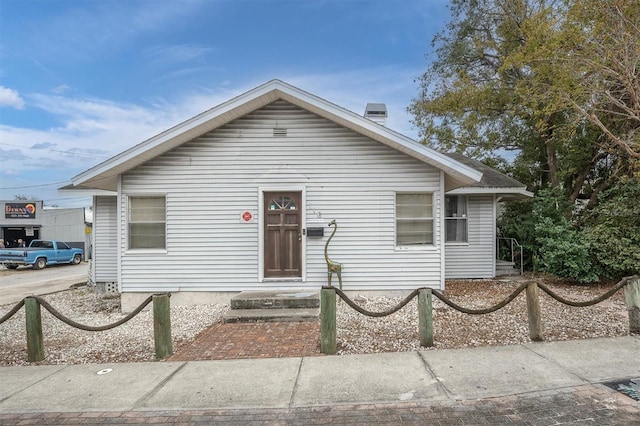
[239,198]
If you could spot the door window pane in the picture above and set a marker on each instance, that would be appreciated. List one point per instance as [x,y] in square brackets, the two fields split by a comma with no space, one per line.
[282,203]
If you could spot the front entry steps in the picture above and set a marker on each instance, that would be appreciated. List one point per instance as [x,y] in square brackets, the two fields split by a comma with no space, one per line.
[274,306]
[504,267]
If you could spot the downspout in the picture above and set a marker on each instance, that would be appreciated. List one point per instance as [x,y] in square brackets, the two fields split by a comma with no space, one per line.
[441,233]
[121,211]
[495,234]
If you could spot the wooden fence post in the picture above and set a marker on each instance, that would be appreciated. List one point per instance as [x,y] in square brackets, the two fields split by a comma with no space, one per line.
[425,317]
[328,321]
[162,325]
[533,312]
[632,297]
[35,344]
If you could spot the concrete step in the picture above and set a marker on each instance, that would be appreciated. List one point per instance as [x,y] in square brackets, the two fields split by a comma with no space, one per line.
[275,300]
[271,315]
[504,267]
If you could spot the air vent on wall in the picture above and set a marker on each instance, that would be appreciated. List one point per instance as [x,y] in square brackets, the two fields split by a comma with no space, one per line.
[279,132]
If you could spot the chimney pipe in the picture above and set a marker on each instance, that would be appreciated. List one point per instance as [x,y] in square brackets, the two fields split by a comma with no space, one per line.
[377,113]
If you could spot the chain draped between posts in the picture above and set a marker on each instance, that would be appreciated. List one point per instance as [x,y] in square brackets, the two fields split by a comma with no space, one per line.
[35,347]
[328,311]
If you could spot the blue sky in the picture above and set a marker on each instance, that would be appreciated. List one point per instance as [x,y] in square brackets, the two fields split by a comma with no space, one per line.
[82,80]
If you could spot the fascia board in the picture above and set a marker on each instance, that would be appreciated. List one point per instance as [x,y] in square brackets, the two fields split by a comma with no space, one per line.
[488,190]
[88,192]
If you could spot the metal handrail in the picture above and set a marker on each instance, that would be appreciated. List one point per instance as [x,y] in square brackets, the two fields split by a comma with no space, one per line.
[512,244]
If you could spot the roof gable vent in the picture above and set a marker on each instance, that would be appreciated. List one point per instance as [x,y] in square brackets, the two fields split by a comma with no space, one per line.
[377,113]
[279,132]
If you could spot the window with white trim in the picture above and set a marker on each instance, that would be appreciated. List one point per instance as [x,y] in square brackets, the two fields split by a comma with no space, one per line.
[456,219]
[414,219]
[147,222]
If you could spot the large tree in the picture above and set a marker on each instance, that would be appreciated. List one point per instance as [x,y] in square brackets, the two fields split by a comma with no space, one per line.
[543,79]
[598,56]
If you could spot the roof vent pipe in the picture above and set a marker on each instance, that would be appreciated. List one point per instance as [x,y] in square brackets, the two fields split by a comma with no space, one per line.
[377,113]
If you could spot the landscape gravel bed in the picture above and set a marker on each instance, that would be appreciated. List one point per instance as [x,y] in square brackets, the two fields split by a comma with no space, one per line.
[356,333]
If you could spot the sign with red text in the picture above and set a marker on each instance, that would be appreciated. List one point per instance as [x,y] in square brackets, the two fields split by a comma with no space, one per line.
[19,211]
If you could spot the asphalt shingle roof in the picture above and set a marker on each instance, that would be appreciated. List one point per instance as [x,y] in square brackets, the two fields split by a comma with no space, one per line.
[491,178]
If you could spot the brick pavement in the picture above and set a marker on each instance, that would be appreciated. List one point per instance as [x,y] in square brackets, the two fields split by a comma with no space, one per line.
[582,405]
[253,340]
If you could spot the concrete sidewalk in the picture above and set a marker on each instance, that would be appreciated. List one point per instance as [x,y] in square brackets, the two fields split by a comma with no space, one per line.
[289,383]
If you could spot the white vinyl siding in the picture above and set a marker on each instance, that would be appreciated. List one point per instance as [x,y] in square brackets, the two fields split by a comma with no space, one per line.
[212,179]
[104,256]
[477,258]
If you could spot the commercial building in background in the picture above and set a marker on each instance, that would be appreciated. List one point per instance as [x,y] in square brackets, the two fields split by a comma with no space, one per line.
[29,220]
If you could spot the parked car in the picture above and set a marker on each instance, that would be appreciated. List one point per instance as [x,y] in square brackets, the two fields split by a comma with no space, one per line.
[40,253]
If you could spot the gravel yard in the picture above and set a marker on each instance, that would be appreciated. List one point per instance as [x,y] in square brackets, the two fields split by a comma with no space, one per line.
[356,334]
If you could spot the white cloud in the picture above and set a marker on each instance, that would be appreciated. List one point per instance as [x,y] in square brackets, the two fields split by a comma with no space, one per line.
[60,89]
[178,53]
[86,30]
[11,98]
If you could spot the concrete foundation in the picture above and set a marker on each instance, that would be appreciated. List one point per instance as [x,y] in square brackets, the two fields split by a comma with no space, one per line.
[130,301]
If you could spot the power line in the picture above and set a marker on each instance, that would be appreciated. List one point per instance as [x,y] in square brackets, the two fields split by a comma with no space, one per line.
[35,186]
[78,154]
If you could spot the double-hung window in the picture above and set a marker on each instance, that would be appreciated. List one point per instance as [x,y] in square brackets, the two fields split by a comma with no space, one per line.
[456,219]
[414,219]
[147,222]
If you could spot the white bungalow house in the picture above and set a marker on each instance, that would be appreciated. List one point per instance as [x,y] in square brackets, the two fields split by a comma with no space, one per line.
[239,198]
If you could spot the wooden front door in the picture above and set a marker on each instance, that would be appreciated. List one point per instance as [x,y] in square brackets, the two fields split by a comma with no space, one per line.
[283,234]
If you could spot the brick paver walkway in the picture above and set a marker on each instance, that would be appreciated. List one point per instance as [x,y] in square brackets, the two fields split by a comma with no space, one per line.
[253,340]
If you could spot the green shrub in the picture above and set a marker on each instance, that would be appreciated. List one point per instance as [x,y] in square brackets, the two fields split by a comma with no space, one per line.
[612,229]
[563,252]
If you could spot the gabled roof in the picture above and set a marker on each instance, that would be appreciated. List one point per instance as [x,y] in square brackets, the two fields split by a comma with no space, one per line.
[104,175]
[492,182]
